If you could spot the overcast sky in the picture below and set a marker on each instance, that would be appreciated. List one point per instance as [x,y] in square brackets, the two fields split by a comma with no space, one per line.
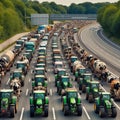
[68,2]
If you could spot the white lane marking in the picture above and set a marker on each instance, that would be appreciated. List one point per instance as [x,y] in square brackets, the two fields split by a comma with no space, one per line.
[21,116]
[53,110]
[27,92]
[51,92]
[31,71]
[49,79]
[29,80]
[86,113]
[8,81]
[113,101]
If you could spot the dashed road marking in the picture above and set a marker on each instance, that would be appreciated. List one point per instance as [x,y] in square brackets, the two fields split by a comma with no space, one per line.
[27,92]
[21,116]
[86,113]
[53,110]
[51,92]
[8,81]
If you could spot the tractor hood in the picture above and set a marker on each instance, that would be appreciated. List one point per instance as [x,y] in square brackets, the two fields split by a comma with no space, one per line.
[72,100]
[65,84]
[4,103]
[39,83]
[108,104]
[95,89]
[39,102]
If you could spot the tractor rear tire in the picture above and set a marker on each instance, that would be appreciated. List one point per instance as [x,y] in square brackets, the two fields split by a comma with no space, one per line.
[87,96]
[96,109]
[46,111]
[90,98]
[83,88]
[102,112]
[16,107]
[22,83]
[12,111]
[80,86]
[79,110]
[66,110]
[114,112]
[32,111]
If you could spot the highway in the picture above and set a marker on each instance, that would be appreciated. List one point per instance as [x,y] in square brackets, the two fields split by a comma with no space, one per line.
[96,46]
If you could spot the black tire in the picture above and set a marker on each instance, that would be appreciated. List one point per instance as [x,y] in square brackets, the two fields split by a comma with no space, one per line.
[96,109]
[80,86]
[46,111]
[59,92]
[57,89]
[114,112]
[66,110]
[22,83]
[12,111]
[32,111]
[79,110]
[83,88]
[90,98]
[16,107]
[87,96]
[102,112]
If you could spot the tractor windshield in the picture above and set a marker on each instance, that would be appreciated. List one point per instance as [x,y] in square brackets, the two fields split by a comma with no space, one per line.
[6,95]
[39,95]
[72,94]
[81,71]
[16,74]
[39,72]
[65,79]
[20,65]
[87,77]
[61,73]
[106,96]
[39,79]
[94,85]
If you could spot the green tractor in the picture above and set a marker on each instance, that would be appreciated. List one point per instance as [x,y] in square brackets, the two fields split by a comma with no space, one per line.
[39,71]
[63,84]
[79,73]
[92,91]
[8,103]
[83,82]
[39,103]
[104,105]
[23,66]
[72,102]
[59,73]
[18,74]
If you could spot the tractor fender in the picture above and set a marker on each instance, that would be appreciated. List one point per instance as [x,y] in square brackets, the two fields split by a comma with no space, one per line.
[33,83]
[45,83]
[78,100]
[58,83]
[97,101]
[14,99]
[64,100]
[46,100]
[76,74]
[31,101]
[87,89]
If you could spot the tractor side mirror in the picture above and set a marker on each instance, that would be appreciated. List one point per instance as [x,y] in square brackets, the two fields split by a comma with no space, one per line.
[30,94]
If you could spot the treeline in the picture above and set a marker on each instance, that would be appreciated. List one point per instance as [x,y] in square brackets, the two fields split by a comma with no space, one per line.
[109,18]
[13,12]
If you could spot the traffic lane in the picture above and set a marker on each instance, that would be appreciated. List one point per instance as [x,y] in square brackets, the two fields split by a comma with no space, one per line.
[89,36]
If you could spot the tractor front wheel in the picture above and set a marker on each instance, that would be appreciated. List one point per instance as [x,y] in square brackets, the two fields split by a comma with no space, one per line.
[102,112]
[79,110]
[46,111]
[114,112]
[12,111]
[66,110]
[31,111]
[90,98]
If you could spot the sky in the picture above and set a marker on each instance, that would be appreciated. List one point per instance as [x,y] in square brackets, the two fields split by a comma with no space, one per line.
[68,2]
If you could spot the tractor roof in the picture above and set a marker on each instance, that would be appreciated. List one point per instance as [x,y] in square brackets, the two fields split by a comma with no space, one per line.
[6,90]
[39,91]
[39,68]
[20,62]
[94,82]
[64,76]
[71,90]
[58,62]
[61,69]
[87,74]
[105,93]
[39,76]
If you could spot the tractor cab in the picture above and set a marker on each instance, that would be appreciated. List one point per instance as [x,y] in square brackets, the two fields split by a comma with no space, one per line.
[40,65]
[73,59]
[81,71]
[39,71]
[16,73]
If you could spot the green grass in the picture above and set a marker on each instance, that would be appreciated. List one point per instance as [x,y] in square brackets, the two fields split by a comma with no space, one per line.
[112,38]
